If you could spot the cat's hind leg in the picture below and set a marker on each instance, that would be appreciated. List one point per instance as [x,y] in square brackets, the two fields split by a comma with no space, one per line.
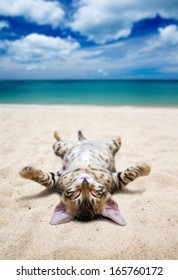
[130,174]
[61,147]
[58,136]
[114,144]
[49,180]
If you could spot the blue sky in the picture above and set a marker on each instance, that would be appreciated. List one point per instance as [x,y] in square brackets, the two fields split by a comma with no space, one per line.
[88,39]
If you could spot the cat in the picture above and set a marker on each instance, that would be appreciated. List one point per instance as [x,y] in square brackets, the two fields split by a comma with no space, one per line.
[87,180]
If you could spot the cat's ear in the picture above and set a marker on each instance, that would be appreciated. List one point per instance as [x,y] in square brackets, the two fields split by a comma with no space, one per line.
[60,215]
[111,210]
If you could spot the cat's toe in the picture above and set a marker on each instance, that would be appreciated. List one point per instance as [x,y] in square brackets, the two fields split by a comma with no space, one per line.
[27,172]
[117,139]
[57,135]
[146,168]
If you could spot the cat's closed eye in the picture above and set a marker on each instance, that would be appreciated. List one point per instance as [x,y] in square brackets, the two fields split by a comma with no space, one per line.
[73,195]
[96,194]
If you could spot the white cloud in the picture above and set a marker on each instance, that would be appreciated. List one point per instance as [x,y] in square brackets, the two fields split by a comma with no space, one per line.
[39,11]
[126,59]
[169,35]
[106,20]
[36,48]
[171,69]
[33,67]
[4,24]
[42,57]
[102,72]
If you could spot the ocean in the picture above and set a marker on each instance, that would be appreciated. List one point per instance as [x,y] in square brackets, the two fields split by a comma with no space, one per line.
[91,92]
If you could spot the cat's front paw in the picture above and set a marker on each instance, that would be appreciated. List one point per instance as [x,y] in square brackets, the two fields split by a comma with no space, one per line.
[29,172]
[145,168]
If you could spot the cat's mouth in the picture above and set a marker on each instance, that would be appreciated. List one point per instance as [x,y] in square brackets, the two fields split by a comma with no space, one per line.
[85,181]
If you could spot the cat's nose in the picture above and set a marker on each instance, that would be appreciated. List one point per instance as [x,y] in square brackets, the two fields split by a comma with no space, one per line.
[85,182]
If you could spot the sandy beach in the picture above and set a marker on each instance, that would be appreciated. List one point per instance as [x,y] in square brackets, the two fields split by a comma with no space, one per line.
[149,204]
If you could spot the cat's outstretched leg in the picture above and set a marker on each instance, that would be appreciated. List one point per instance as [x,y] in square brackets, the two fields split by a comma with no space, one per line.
[130,174]
[114,144]
[61,147]
[49,180]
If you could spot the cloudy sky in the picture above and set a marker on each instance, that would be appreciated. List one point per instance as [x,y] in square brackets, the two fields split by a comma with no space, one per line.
[88,39]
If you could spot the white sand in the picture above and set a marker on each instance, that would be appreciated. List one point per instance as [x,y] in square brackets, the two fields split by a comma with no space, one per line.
[149,204]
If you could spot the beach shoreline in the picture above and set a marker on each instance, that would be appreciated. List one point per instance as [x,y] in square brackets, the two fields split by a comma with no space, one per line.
[149,204]
[21,105]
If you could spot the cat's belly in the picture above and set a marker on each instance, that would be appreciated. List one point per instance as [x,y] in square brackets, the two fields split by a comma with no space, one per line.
[83,162]
[87,158]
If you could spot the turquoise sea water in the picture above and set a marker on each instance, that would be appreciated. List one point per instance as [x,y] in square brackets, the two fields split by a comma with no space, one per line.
[108,92]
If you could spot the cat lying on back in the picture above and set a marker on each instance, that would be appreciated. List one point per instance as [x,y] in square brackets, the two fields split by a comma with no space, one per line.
[87,179]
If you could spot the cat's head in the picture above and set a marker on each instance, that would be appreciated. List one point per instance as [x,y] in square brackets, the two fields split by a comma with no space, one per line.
[84,199]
